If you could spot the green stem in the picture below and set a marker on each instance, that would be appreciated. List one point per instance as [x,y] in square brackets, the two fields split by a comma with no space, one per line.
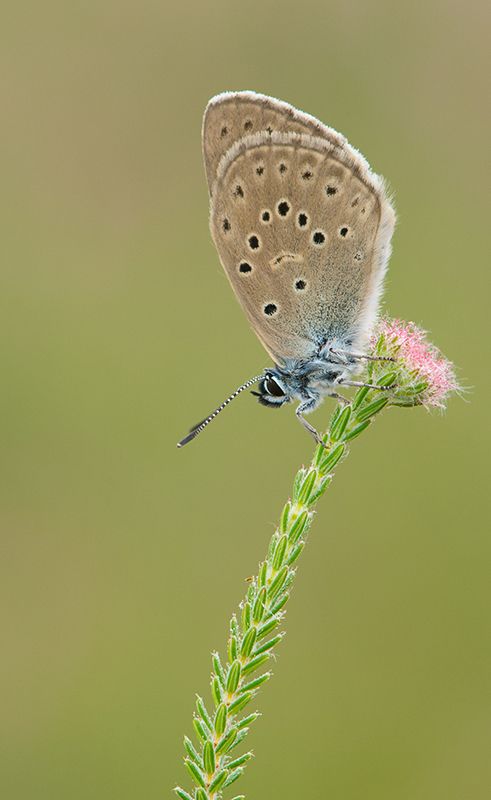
[214,766]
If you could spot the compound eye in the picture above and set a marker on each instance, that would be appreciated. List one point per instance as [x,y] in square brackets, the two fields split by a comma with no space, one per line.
[273,388]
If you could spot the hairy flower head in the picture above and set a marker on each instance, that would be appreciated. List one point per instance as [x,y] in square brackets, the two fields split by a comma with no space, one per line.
[425,376]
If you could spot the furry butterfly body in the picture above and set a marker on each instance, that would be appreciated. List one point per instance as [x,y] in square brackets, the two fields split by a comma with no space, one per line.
[303,228]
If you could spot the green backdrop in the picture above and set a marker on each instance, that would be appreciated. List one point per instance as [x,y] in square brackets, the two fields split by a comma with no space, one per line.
[122,558]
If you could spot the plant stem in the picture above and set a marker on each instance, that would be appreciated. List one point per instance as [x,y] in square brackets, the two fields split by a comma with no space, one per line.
[255,634]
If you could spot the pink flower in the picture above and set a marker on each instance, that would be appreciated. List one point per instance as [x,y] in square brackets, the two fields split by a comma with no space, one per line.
[420,360]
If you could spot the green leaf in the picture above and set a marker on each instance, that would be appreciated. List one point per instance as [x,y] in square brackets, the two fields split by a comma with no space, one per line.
[267,627]
[233,677]
[220,719]
[339,426]
[254,664]
[200,707]
[246,616]
[357,430]
[209,759]
[248,720]
[381,344]
[263,573]
[298,527]
[359,397]
[418,387]
[195,773]
[279,553]
[238,762]
[298,482]
[201,794]
[182,794]
[232,649]
[277,583]
[284,517]
[192,752]
[241,701]
[323,484]
[256,683]
[258,608]
[295,553]
[233,777]
[372,408]
[289,580]
[217,666]
[320,449]
[234,626]
[226,742]
[248,642]
[272,544]
[388,379]
[269,645]
[240,738]
[218,781]
[306,488]
[335,415]
[200,729]
[216,691]
[332,458]
[279,603]
[405,401]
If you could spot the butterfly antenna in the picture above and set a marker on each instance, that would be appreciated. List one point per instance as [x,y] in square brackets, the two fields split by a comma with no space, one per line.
[202,425]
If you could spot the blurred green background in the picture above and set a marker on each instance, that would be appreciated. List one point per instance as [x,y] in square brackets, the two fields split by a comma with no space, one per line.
[122,558]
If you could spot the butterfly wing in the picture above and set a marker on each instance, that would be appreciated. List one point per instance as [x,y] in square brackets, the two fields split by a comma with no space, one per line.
[303,229]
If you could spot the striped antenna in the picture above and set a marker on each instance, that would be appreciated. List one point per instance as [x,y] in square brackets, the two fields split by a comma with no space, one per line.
[202,425]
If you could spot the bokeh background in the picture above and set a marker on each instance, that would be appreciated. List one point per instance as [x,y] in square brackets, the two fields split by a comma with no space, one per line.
[122,558]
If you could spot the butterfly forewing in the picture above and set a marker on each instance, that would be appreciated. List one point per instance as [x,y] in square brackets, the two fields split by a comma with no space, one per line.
[232,115]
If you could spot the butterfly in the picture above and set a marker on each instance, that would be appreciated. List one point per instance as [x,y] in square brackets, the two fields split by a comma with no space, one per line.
[303,230]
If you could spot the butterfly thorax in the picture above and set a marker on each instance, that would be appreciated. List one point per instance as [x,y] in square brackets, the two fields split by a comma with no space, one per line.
[307,380]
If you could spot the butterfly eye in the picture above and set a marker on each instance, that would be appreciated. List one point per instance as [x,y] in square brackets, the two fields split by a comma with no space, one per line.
[273,388]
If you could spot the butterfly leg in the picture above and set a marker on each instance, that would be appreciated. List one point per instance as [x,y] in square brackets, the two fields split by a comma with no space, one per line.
[308,406]
[342,400]
[337,352]
[368,385]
